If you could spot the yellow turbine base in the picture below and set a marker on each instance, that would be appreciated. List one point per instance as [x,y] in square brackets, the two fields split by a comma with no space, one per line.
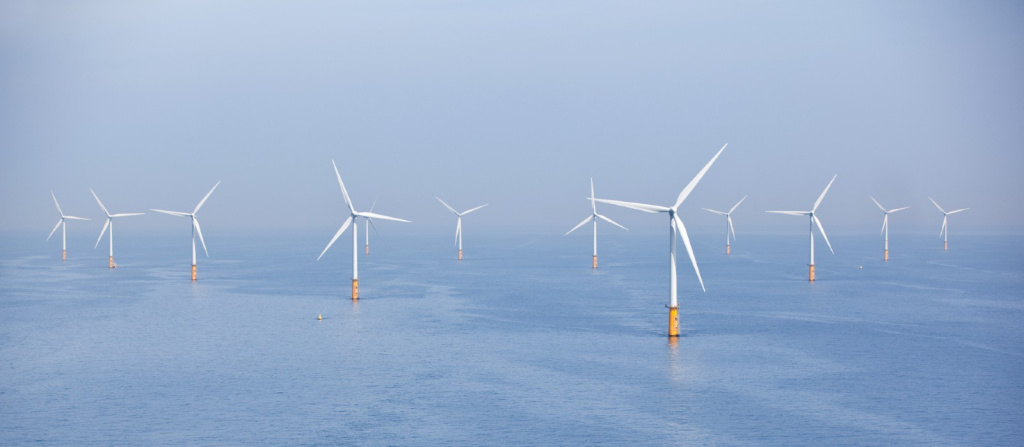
[887,255]
[595,261]
[319,317]
[355,289]
[811,273]
[63,255]
[727,250]
[673,322]
[110,263]
[945,246]
[193,273]
[367,249]
[460,254]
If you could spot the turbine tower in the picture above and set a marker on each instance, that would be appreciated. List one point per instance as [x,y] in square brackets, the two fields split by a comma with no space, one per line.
[675,224]
[944,231]
[728,223]
[195,227]
[351,220]
[458,224]
[64,231]
[593,217]
[814,221]
[110,224]
[885,223]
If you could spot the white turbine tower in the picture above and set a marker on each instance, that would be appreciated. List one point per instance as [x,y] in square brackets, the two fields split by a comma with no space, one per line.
[593,217]
[64,231]
[814,221]
[885,224]
[944,231]
[728,223]
[351,220]
[674,224]
[109,223]
[195,227]
[458,224]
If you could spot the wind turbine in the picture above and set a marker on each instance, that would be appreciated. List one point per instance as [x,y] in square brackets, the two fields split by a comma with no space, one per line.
[674,224]
[64,231]
[814,221]
[458,224]
[109,223]
[728,223]
[944,231]
[885,223]
[195,227]
[351,220]
[369,223]
[593,217]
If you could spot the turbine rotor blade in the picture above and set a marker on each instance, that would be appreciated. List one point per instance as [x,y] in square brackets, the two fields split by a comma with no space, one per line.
[693,183]
[76,218]
[636,206]
[104,230]
[458,230]
[344,226]
[737,205]
[612,222]
[374,202]
[823,235]
[447,206]
[689,249]
[957,211]
[370,222]
[127,214]
[344,192]
[588,219]
[822,196]
[885,223]
[898,209]
[937,205]
[593,205]
[381,216]
[207,196]
[173,213]
[101,203]
[200,232]
[55,203]
[879,204]
[721,213]
[473,209]
[943,229]
[791,213]
[59,221]
[731,228]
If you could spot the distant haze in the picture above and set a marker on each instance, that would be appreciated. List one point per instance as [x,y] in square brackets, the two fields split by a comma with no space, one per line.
[515,104]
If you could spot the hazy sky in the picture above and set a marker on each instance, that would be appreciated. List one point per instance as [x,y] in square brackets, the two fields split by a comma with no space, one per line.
[515,104]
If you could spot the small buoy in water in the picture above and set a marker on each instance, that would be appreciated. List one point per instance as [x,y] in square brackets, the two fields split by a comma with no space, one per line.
[319,317]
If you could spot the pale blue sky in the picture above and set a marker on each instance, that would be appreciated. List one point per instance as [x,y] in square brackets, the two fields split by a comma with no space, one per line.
[516,104]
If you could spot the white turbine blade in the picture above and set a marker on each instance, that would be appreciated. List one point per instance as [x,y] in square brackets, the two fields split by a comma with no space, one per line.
[370,222]
[879,204]
[98,201]
[344,226]
[447,206]
[59,221]
[344,192]
[943,229]
[825,236]
[731,228]
[58,205]
[822,196]
[957,211]
[689,249]
[104,230]
[593,205]
[458,230]
[885,223]
[380,216]
[612,222]
[126,214]
[200,232]
[737,205]
[588,219]
[76,218]
[474,209]
[898,209]
[937,205]
[207,196]
[173,213]
[372,205]
[693,183]
[636,206]
[791,213]
[721,213]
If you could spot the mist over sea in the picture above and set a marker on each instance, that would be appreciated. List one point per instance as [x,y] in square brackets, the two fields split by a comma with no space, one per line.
[522,343]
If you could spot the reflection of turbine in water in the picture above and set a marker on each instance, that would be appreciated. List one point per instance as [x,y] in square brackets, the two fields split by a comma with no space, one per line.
[458,224]
[728,223]
[195,227]
[885,224]
[674,224]
[593,217]
[944,231]
[64,230]
[351,220]
[814,221]
[110,224]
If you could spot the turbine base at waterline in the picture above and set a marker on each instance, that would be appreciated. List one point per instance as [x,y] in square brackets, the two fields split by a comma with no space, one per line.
[673,322]
[355,289]
[193,272]
[810,273]
[886,255]
[460,254]
[110,263]
[728,250]
[595,262]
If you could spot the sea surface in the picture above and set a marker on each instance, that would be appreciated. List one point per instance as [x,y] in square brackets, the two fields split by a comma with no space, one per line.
[521,343]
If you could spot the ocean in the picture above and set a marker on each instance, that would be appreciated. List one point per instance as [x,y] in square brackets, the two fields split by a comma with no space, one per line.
[521,343]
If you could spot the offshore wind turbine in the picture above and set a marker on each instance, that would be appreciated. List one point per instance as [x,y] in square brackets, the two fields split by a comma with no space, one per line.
[944,231]
[593,217]
[458,224]
[674,224]
[351,220]
[109,223]
[64,231]
[885,223]
[728,223]
[369,223]
[814,221]
[195,227]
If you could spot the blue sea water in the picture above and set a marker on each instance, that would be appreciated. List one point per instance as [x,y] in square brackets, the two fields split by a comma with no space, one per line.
[522,343]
